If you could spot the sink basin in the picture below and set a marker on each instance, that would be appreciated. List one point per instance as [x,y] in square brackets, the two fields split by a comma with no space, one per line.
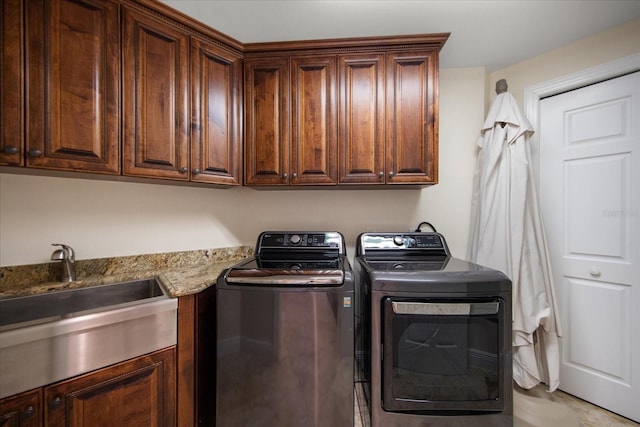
[41,308]
[57,335]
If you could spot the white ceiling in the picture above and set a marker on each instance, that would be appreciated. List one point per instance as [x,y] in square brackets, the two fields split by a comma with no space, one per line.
[493,34]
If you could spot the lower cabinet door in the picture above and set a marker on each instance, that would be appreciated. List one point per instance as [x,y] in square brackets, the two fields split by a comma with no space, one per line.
[139,392]
[22,410]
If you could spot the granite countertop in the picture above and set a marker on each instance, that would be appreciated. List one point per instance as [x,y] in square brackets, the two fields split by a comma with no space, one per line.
[179,273]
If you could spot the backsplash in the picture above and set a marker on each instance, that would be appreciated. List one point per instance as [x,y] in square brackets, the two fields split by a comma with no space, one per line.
[20,276]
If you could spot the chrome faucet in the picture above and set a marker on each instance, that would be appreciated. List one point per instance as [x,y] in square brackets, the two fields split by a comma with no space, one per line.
[68,258]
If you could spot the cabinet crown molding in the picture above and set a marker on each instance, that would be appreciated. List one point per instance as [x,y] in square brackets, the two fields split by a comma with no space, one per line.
[354,44]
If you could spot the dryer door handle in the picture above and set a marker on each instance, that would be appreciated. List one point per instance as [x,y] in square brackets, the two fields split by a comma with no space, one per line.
[445,309]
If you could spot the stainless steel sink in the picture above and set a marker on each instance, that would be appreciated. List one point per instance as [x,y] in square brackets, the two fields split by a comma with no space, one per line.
[56,335]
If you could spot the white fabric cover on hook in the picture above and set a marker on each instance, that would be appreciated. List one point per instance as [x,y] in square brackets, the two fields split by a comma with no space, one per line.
[506,233]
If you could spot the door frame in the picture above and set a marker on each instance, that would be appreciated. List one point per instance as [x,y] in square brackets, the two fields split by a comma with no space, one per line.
[533,94]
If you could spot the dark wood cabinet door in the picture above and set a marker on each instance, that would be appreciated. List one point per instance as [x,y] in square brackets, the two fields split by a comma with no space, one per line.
[139,392]
[22,410]
[216,143]
[314,126]
[267,121]
[12,83]
[412,114]
[361,119]
[155,98]
[73,85]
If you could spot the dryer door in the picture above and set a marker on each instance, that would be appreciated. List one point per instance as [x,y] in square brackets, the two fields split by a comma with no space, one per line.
[443,354]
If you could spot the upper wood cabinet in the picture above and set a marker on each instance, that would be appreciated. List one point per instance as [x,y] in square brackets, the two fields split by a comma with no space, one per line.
[361,119]
[357,111]
[291,121]
[119,87]
[412,118]
[155,97]
[216,118]
[181,103]
[133,87]
[72,85]
[12,81]
[388,118]
[314,121]
[267,131]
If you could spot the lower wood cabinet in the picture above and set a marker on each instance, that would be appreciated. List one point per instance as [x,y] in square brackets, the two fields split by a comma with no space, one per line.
[196,359]
[22,410]
[138,392]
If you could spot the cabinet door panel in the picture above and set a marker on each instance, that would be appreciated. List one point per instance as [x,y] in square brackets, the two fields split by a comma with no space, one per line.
[314,121]
[361,127]
[267,121]
[73,85]
[412,117]
[22,410]
[155,95]
[140,392]
[11,81]
[215,132]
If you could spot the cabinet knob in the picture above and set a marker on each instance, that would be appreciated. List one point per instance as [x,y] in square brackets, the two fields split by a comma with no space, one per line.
[285,176]
[594,272]
[10,149]
[196,171]
[391,174]
[183,169]
[35,153]
[381,174]
[28,412]
[55,403]
[294,175]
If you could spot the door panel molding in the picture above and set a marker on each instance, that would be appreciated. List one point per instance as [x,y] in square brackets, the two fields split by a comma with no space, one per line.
[533,94]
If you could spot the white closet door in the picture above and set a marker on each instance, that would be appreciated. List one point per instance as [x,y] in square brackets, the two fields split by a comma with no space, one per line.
[590,199]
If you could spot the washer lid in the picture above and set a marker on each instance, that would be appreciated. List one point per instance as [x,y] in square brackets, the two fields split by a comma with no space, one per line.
[257,271]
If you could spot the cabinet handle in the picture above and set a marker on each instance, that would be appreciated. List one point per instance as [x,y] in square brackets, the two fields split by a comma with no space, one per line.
[183,169]
[381,174]
[55,403]
[196,171]
[35,153]
[294,175]
[391,174]
[594,272]
[285,176]
[10,149]
[27,413]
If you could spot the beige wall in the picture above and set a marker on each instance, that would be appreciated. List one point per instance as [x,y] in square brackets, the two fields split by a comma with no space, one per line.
[105,218]
[618,42]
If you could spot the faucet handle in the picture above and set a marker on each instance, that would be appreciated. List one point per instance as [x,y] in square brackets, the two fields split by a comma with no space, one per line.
[68,252]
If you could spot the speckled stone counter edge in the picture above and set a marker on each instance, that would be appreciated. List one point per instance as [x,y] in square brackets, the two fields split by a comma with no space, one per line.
[180,273]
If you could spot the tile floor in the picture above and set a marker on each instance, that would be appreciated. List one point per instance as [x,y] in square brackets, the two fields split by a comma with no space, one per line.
[589,415]
[581,413]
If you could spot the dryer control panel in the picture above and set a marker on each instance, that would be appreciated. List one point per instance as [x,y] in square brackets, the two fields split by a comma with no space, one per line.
[422,243]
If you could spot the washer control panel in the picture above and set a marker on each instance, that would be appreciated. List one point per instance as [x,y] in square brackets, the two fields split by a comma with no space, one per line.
[292,241]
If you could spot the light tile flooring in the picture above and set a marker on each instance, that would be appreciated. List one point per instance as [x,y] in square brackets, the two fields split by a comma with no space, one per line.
[583,413]
[589,415]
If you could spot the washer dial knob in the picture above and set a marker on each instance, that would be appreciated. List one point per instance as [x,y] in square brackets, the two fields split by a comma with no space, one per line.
[398,240]
[295,239]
